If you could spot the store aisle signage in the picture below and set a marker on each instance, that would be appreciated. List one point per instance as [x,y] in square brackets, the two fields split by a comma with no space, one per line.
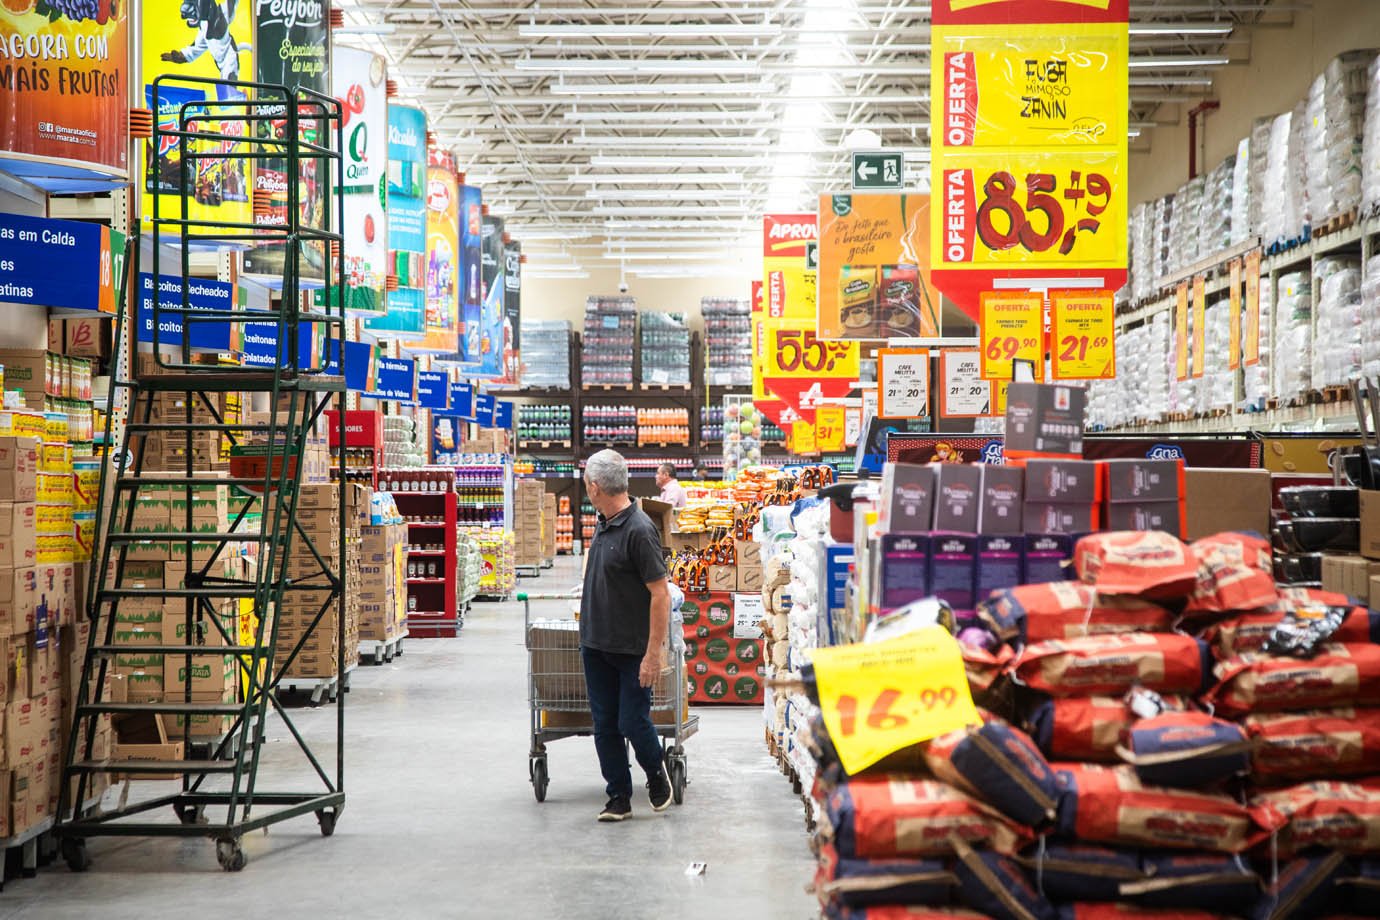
[63,89]
[484,410]
[804,371]
[258,345]
[903,382]
[1181,331]
[394,379]
[503,414]
[878,171]
[462,400]
[1029,144]
[965,394]
[873,703]
[1083,335]
[874,268]
[486,340]
[65,264]
[787,299]
[512,312]
[433,390]
[360,367]
[359,82]
[441,316]
[472,280]
[201,294]
[1011,327]
[406,207]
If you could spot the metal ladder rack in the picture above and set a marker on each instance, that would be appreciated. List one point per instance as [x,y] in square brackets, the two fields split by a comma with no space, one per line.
[308,376]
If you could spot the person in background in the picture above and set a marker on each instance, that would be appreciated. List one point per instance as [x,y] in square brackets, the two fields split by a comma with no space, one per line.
[701,473]
[672,493]
[625,612]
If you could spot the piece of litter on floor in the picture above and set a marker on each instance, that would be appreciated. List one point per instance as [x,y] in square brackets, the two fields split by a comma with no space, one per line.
[696,868]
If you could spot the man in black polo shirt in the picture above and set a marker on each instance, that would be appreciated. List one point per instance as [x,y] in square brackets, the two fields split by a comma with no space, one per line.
[624,616]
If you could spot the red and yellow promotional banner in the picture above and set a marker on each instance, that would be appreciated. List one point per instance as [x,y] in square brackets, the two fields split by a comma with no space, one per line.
[874,268]
[65,84]
[1029,134]
[1234,330]
[1199,324]
[1083,324]
[1252,317]
[1011,327]
[1181,331]
[787,288]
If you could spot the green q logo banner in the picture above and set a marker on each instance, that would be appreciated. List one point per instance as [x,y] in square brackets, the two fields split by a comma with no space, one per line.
[359,143]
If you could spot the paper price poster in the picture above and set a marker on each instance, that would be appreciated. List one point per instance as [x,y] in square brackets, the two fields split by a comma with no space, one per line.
[216,42]
[407,224]
[65,92]
[358,80]
[1011,327]
[787,295]
[874,279]
[1199,324]
[1083,345]
[903,382]
[1234,316]
[1251,333]
[965,393]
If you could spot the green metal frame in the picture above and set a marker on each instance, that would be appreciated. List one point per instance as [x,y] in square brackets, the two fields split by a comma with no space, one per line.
[307,388]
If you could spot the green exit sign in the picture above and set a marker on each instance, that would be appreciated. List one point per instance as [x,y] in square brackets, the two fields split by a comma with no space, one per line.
[878,172]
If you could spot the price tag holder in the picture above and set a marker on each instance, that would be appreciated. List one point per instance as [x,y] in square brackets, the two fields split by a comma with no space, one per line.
[903,382]
[1084,340]
[966,394]
[831,428]
[881,697]
[1011,326]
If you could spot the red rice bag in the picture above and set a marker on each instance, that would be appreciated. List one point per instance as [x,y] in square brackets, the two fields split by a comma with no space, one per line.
[1319,744]
[1250,631]
[1339,675]
[984,667]
[1329,815]
[1164,662]
[1146,563]
[1235,572]
[1086,727]
[894,816]
[1067,610]
[1130,912]
[1287,600]
[1110,805]
[859,882]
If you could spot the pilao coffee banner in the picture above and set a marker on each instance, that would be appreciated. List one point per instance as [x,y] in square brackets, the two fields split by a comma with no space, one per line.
[64,67]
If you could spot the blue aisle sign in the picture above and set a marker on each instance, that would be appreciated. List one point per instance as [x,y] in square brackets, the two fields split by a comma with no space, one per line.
[462,400]
[393,379]
[503,414]
[201,295]
[432,389]
[259,346]
[65,264]
[484,410]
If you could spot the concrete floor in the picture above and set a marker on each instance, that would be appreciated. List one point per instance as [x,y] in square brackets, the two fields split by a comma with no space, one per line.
[440,819]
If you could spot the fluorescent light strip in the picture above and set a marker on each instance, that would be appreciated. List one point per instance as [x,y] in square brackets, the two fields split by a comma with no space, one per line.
[667,163]
[726,178]
[651,30]
[635,210]
[658,89]
[620,66]
[661,118]
[701,255]
[1189,60]
[1181,28]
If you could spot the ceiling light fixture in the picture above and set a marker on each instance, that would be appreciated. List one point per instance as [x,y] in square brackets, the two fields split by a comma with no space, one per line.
[623,65]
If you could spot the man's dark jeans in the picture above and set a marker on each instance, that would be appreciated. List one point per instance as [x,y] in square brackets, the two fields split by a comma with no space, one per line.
[622,709]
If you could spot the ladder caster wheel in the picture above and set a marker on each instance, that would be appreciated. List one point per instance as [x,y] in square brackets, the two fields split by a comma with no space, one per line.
[229,855]
[190,814]
[326,819]
[75,854]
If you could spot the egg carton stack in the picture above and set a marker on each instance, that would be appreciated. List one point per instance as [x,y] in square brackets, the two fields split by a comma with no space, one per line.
[1370,319]
[1217,386]
[402,442]
[1335,129]
[1257,383]
[1292,360]
[1370,142]
[1184,224]
[1155,741]
[1215,210]
[1337,353]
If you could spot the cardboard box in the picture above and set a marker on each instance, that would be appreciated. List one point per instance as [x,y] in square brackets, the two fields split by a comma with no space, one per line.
[1003,493]
[18,469]
[904,573]
[1044,420]
[1000,564]
[171,750]
[723,578]
[953,569]
[1349,575]
[662,515]
[957,497]
[1045,555]
[558,672]
[18,598]
[1163,516]
[1218,500]
[749,553]
[1077,519]
[1143,480]
[907,499]
[209,674]
[749,575]
[688,542]
[1062,482]
[18,534]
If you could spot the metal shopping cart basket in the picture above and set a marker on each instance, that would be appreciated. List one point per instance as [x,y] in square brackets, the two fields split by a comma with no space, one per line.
[560,705]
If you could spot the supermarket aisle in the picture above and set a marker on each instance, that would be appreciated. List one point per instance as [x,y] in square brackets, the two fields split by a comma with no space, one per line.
[441,821]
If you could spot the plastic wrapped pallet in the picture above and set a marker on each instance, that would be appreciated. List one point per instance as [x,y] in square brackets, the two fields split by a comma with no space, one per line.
[546,354]
[1215,211]
[1216,388]
[1184,224]
[1140,267]
[1370,318]
[1257,380]
[1335,131]
[1370,141]
[727,341]
[1292,359]
[1337,355]
[1241,202]
[1299,188]
[1276,214]
[664,341]
[1259,162]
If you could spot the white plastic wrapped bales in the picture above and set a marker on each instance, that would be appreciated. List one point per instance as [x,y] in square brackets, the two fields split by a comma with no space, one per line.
[1257,379]
[1292,360]
[1337,352]
[1241,201]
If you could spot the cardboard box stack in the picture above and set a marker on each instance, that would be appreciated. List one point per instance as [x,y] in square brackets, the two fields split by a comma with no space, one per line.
[548,526]
[319,514]
[383,589]
[528,504]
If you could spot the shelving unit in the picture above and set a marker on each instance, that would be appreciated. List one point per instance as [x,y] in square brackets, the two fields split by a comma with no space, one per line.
[363,439]
[432,608]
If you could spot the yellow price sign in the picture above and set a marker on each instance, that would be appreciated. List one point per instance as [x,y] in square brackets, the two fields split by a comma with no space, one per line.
[793,350]
[1181,331]
[1199,324]
[803,439]
[1011,327]
[881,697]
[1084,335]
[831,428]
[999,388]
[1234,316]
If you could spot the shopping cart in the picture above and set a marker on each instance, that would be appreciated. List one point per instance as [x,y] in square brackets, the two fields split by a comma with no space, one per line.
[560,705]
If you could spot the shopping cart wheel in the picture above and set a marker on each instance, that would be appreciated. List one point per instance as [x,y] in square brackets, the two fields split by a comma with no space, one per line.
[678,780]
[326,819]
[75,854]
[229,855]
[540,780]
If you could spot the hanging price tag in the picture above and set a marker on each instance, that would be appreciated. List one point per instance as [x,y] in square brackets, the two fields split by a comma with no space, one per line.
[1010,327]
[1252,318]
[796,352]
[1084,340]
[803,440]
[831,428]
[1199,324]
[966,394]
[1181,331]
[852,427]
[882,697]
[1234,316]
[903,382]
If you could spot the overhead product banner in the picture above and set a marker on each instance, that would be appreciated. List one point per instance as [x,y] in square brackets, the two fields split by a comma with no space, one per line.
[487,340]
[484,405]
[1029,135]
[1083,325]
[66,264]
[965,393]
[442,316]
[1011,327]
[63,89]
[903,383]
[359,80]
[787,294]
[176,42]
[874,261]
[1234,315]
[406,214]
[472,292]
[512,311]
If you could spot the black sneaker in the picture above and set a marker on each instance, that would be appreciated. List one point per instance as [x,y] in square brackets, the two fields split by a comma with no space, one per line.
[659,791]
[619,808]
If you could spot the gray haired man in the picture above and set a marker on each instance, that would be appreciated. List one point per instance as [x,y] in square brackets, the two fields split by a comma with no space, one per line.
[624,615]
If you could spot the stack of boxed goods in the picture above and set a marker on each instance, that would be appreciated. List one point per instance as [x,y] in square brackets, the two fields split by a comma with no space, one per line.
[319,515]
[548,527]
[497,562]
[727,341]
[528,501]
[565,526]
[665,349]
[469,568]
[610,324]
[383,590]
[545,354]
[403,442]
